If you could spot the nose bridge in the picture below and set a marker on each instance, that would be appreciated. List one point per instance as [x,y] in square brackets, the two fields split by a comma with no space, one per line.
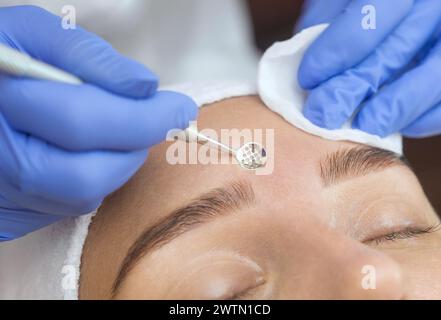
[328,265]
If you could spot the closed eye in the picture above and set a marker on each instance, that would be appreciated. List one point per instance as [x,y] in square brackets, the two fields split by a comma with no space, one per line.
[407,233]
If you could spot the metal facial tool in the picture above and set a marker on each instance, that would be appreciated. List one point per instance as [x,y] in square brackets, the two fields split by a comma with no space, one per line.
[250,156]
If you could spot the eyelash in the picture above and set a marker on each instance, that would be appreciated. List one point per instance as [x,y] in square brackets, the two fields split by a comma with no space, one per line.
[245,294]
[407,233]
[241,295]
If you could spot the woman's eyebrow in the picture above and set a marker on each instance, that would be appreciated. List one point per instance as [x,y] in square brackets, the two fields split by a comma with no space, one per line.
[356,162]
[232,197]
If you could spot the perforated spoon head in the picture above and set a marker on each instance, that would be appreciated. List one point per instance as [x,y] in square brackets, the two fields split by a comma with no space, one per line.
[251,156]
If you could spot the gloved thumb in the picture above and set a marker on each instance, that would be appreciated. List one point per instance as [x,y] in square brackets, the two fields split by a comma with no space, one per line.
[40,34]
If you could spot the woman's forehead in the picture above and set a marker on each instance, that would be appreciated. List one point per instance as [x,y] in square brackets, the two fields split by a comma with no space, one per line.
[296,157]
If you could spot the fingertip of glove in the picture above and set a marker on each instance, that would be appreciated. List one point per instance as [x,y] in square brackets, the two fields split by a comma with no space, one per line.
[312,72]
[412,134]
[5,238]
[313,116]
[315,112]
[370,127]
[185,107]
[136,81]
[305,75]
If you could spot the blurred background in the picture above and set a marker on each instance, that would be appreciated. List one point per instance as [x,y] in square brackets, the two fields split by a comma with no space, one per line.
[276,22]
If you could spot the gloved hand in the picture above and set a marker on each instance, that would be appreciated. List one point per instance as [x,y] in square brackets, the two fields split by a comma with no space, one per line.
[392,74]
[63,148]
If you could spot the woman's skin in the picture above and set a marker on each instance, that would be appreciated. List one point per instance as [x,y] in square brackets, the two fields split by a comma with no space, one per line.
[300,232]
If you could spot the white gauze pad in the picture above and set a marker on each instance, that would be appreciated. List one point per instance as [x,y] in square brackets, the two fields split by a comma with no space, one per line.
[280,91]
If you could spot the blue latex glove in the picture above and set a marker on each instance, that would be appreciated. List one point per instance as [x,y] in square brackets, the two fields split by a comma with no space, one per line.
[392,74]
[63,148]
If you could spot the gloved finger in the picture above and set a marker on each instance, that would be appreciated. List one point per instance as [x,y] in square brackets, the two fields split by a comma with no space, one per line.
[12,164]
[15,224]
[334,102]
[346,43]
[40,34]
[43,205]
[40,177]
[427,125]
[88,118]
[318,11]
[403,101]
